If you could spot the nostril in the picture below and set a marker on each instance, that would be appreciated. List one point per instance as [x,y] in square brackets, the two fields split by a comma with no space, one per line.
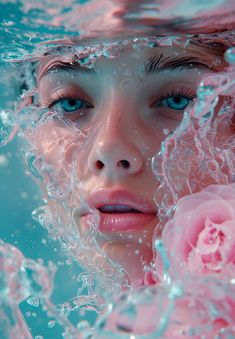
[99,164]
[124,163]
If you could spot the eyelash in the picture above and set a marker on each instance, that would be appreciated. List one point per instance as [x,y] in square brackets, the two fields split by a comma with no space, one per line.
[173,92]
[61,95]
[184,92]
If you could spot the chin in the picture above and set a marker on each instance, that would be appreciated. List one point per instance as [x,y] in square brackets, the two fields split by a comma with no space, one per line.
[133,257]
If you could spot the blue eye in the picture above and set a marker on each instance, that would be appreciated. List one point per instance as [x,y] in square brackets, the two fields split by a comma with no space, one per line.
[177,102]
[71,105]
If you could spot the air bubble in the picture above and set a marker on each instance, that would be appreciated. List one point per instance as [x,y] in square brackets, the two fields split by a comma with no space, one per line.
[3,160]
[24,195]
[33,301]
[229,55]
[126,83]
[204,91]
[51,323]
[175,291]
[7,127]
[83,325]
[166,131]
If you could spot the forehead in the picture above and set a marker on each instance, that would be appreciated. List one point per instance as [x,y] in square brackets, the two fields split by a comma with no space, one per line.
[130,58]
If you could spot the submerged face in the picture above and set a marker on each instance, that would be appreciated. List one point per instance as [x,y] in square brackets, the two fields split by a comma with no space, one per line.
[104,124]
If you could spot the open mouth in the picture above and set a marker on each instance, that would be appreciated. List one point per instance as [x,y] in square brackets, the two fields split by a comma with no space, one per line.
[117,209]
[121,211]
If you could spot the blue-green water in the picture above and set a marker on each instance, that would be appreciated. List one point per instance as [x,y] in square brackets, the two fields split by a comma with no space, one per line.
[19,195]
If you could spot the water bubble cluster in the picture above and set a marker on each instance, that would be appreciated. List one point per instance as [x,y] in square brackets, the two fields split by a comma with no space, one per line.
[230,56]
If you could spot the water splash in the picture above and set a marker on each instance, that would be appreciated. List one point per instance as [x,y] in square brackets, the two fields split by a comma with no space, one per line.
[20,279]
[198,147]
[195,143]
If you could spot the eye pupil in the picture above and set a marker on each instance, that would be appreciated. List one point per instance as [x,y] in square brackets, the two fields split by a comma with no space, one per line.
[72,102]
[177,99]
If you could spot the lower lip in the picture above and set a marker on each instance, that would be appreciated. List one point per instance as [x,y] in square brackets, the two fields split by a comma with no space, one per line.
[122,222]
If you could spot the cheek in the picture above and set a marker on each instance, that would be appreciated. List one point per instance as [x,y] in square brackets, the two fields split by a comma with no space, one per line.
[150,145]
[53,144]
[154,132]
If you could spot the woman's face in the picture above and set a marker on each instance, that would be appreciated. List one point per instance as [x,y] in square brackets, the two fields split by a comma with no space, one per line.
[106,123]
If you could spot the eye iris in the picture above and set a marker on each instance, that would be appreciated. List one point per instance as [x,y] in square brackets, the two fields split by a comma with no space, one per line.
[71,105]
[177,102]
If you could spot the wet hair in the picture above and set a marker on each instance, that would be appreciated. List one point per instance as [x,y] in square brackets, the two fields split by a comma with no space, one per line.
[28,71]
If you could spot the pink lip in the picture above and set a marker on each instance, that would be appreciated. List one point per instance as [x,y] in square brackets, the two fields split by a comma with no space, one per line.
[121,222]
[103,197]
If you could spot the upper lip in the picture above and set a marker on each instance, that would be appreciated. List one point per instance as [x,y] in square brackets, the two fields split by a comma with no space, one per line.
[103,197]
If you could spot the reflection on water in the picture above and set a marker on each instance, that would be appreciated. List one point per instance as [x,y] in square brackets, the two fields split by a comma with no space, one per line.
[192,156]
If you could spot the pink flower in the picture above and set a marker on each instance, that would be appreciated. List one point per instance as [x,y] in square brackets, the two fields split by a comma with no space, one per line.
[201,236]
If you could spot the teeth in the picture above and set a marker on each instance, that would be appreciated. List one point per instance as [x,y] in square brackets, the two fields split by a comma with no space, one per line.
[116,208]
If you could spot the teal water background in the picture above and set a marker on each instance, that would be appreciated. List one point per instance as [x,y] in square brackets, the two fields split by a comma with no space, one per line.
[19,196]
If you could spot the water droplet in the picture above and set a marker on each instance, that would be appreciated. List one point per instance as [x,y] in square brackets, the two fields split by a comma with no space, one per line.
[176,291]
[51,323]
[83,325]
[126,83]
[3,160]
[7,127]
[33,301]
[8,23]
[204,91]
[229,55]
[82,312]
[24,195]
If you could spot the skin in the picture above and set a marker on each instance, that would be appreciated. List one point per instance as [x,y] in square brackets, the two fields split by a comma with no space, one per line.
[123,110]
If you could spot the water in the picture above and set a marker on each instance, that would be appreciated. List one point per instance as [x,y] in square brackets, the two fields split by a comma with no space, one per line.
[182,305]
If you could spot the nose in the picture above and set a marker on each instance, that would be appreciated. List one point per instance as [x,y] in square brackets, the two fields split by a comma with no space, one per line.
[114,152]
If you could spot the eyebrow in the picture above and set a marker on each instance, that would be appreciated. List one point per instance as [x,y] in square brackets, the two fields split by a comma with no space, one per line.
[155,64]
[161,63]
[66,67]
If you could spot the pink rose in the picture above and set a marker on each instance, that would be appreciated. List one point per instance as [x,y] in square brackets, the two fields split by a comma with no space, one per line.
[200,238]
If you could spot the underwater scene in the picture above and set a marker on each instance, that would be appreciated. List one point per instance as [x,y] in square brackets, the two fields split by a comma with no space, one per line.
[117,169]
